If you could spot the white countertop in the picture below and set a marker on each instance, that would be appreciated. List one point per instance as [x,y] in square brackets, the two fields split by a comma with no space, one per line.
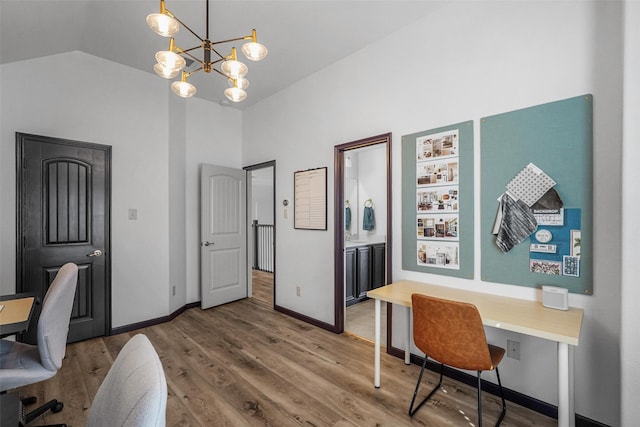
[364,240]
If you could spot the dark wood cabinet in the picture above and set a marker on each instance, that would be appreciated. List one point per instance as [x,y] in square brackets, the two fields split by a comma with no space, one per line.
[350,275]
[378,263]
[364,270]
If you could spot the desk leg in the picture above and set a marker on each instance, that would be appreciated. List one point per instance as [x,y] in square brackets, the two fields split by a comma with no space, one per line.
[407,347]
[376,375]
[566,399]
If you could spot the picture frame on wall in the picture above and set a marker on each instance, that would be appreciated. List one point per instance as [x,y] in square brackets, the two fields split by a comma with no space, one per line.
[310,199]
[437,217]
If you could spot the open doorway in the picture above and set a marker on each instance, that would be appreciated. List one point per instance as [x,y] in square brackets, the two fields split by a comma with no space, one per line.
[363,251]
[261,232]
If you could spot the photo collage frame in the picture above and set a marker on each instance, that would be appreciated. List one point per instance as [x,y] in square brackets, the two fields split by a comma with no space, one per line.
[438,200]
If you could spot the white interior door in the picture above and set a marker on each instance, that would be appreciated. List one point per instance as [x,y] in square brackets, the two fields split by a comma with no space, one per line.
[223,243]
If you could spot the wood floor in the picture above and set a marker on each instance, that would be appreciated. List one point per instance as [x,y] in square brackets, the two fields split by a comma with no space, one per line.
[262,283]
[243,364]
[359,320]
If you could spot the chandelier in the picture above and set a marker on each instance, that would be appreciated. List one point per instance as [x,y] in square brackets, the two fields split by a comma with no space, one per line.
[172,61]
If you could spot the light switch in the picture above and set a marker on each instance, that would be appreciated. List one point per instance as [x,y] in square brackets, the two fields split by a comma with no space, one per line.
[133,214]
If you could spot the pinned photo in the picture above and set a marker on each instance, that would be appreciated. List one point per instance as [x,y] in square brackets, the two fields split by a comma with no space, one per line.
[437,145]
[437,172]
[576,243]
[437,200]
[571,266]
[439,254]
[545,267]
[444,227]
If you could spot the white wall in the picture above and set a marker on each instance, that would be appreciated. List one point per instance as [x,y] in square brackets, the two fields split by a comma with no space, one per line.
[158,143]
[629,342]
[466,61]
[177,204]
[81,97]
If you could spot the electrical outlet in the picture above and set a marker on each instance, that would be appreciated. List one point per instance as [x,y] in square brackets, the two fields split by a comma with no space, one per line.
[297,291]
[133,214]
[513,349]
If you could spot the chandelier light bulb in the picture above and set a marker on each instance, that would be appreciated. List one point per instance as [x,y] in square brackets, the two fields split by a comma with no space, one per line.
[162,24]
[183,89]
[170,60]
[235,94]
[164,72]
[240,82]
[254,51]
[234,69]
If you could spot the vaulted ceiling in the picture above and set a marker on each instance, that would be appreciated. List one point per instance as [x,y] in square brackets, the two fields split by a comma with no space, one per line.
[303,36]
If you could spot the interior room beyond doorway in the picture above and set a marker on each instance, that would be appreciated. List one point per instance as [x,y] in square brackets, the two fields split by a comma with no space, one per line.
[261,232]
[364,240]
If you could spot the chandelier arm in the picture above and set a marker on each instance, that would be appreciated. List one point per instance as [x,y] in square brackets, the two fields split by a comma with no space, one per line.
[218,53]
[192,57]
[186,27]
[189,50]
[232,40]
[194,71]
[220,72]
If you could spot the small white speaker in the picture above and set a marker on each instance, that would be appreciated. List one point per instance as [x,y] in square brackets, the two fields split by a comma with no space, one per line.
[555,297]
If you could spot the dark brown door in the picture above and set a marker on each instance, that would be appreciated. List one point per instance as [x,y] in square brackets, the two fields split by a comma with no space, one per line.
[63,214]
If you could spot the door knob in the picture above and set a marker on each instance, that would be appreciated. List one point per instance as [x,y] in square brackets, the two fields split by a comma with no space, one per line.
[207,243]
[97,252]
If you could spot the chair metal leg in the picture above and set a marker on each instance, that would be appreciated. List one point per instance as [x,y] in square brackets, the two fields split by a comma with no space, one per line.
[412,411]
[52,405]
[504,404]
[479,400]
[29,400]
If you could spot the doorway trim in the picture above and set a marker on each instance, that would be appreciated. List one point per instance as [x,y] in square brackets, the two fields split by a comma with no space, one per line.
[338,233]
[264,165]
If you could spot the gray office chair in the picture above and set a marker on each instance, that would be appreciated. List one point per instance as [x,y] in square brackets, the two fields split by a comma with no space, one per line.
[134,392]
[23,364]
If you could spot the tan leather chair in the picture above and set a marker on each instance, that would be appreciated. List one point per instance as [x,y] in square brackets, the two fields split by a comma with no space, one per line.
[451,333]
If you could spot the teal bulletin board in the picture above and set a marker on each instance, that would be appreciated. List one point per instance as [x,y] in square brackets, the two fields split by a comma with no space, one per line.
[437,201]
[557,138]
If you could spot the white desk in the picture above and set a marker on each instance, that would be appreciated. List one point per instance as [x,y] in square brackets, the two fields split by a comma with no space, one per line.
[511,314]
